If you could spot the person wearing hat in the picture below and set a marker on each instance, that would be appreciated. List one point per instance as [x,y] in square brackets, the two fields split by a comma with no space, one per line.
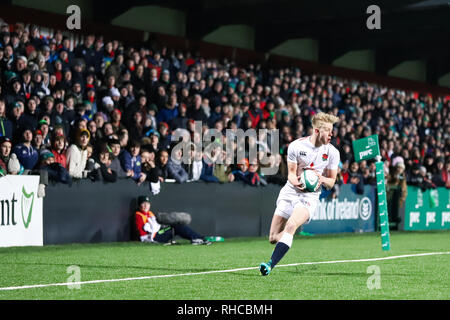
[77,155]
[9,164]
[15,91]
[54,170]
[28,155]
[150,230]
[38,139]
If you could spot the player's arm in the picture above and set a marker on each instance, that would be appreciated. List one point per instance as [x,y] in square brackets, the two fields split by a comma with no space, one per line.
[292,174]
[328,179]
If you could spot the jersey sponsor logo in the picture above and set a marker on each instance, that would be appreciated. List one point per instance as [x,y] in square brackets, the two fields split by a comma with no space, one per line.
[302,153]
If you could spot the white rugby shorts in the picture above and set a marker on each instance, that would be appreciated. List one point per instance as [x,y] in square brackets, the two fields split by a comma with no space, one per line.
[289,198]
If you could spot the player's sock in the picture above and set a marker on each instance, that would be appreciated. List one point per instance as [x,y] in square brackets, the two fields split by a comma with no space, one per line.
[281,248]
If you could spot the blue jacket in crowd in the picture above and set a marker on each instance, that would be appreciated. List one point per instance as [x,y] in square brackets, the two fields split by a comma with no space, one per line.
[131,163]
[28,156]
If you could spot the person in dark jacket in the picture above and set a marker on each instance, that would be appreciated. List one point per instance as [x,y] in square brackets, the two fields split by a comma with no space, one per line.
[56,172]
[115,165]
[102,170]
[131,162]
[25,152]
[161,165]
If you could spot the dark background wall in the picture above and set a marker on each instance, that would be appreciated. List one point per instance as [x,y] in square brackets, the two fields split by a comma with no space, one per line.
[96,212]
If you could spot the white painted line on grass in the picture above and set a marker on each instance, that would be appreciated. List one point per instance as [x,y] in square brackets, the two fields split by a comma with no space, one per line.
[215,271]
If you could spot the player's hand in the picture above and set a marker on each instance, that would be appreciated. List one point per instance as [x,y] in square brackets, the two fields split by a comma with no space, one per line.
[295,181]
[319,184]
[301,186]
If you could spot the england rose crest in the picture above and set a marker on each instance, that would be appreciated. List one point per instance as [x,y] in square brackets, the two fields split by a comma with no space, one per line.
[324,157]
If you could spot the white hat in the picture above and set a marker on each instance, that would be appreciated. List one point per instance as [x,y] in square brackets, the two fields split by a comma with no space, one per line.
[22,58]
[114,92]
[107,101]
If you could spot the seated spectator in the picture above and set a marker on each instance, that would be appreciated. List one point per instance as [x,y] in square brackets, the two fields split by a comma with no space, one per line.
[175,166]
[131,162]
[161,165]
[440,177]
[208,166]
[169,111]
[116,117]
[164,136]
[222,171]
[194,165]
[59,150]
[115,165]
[418,177]
[150,230]
[9,164]
[149,165]
[56,172]
[43,126]
[249,175]
[28,155]
[38,140]
[77,155]
[102,168]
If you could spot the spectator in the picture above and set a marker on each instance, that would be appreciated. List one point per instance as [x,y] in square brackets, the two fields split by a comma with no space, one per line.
[208,165]
[441,175]
[161,165]
[55,171]
[102,169]
[396,191]
[222,171]
[38,140]
[131,162]
[77,155]
[59,150]
[149,165]
[194,165]
[115,165]
[28,156]
[175,167]
[9,164]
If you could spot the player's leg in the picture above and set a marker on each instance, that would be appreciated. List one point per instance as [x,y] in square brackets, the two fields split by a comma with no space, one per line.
[299,216]
[276,228]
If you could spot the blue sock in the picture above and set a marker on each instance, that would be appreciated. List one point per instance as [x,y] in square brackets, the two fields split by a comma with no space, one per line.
[281,249]
[279,252]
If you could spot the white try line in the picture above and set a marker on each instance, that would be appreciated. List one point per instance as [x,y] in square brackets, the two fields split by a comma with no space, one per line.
[71,284]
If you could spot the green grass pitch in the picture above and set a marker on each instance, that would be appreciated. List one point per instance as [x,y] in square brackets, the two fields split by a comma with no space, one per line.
[417,277]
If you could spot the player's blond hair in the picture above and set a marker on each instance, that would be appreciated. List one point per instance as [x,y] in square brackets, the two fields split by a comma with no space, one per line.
[320,118]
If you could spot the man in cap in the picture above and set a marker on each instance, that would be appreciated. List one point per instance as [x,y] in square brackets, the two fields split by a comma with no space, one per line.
[150,230]
[9,164]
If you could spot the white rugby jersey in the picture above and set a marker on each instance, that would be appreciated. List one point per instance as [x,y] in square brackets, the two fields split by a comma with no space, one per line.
[306,155]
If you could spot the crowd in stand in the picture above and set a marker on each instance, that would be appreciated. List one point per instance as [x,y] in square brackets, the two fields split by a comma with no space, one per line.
[108,111]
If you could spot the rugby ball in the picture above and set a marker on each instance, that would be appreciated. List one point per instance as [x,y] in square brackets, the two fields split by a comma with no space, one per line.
[309,179]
